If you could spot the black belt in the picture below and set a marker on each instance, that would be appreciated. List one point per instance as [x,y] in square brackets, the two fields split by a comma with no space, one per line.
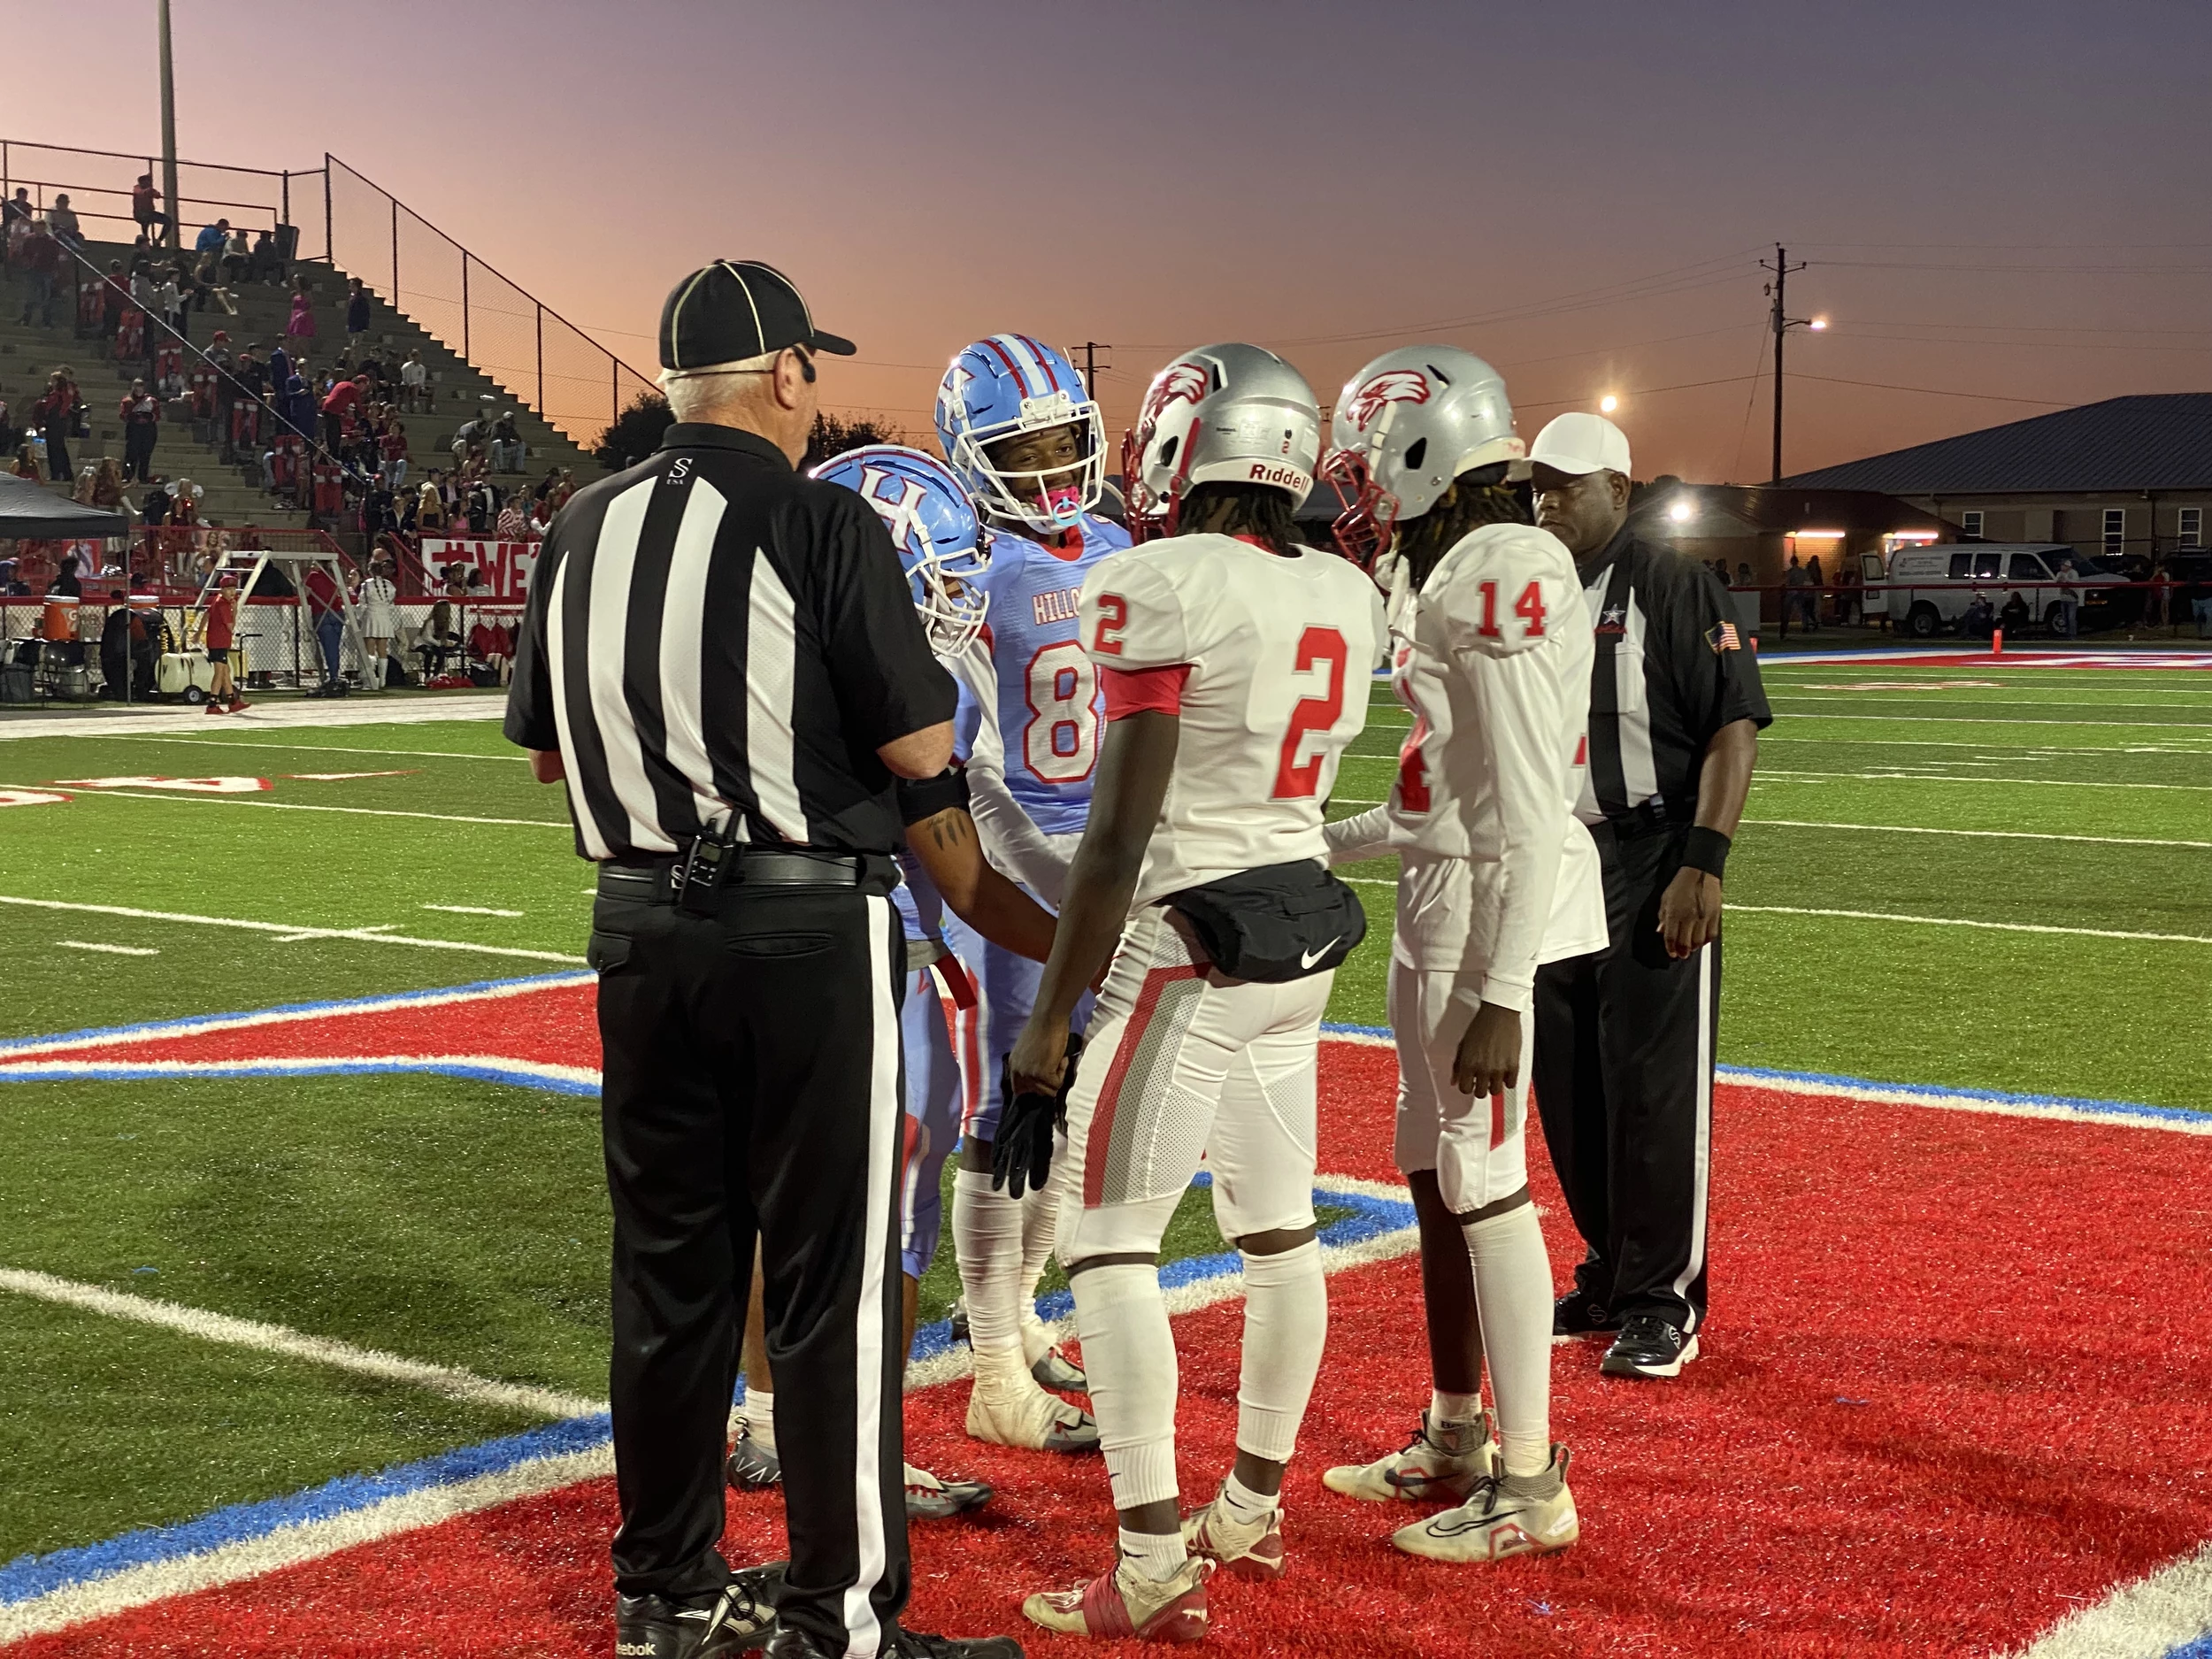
[1655,817]
[653,880]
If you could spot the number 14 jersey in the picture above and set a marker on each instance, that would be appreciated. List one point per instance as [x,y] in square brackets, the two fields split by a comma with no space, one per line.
[1267,660]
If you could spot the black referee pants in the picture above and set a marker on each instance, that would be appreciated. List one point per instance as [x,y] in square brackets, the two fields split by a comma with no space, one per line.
[1623,1076]
[752,1086]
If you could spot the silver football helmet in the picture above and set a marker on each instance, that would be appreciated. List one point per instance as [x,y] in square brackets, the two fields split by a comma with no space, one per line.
[1406,426]
[1229,413]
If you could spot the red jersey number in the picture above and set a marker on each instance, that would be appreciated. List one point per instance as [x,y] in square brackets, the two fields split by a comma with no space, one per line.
[1113,615]
[1296,779]
[1413,770]
[1529,607]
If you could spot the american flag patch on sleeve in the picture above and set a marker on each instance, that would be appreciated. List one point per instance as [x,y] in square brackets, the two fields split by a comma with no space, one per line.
[1721,636]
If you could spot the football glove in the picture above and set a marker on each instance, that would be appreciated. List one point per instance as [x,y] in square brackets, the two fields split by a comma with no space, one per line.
[1021,1157]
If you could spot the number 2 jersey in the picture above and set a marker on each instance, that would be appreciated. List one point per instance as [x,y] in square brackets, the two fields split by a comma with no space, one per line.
[1267,660]
[1492,657]
[1041,743]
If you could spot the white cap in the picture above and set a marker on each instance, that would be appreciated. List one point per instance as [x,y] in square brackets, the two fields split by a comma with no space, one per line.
[1581,442]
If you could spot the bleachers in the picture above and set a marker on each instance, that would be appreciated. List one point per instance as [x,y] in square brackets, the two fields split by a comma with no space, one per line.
[28,354]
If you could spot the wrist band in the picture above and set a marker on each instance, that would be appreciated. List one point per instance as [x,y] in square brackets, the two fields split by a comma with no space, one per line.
[1705,849]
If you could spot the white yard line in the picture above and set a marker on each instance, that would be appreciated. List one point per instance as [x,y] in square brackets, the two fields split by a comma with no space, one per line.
[1987,749]
[292,930]
[2039,783]
[261,718]
[302,806]
[481,910]
[2013,835]
[111,950]
[2002,720]
[322,1350]
[514,759]
[288,1546]
[1991,703]
[1956,921]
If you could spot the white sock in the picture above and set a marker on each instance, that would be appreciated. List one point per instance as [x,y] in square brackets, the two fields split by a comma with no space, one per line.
[987,1236]
[1513,1292]
[759,1412]
[1129,1355]
[1285,1326]
[1445,1408]
[1158,1555]
[1246,1505]
[1040,1224]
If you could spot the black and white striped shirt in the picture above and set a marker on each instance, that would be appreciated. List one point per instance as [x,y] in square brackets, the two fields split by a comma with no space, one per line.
[711,634]
[1671,670]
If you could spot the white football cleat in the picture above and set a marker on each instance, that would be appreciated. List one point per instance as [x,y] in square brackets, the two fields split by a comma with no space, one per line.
[1497,1523]
[1013,1410]
[1442,1460]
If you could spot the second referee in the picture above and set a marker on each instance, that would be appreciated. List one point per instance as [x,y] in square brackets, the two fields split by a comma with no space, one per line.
[721,658]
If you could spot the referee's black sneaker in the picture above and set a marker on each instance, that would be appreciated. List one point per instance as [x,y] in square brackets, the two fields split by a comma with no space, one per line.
[904,1644]
[1579,1313]
[1649,1346]
[737,1618]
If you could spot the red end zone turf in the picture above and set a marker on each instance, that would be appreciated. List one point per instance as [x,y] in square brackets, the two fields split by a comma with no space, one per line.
[1949,1396]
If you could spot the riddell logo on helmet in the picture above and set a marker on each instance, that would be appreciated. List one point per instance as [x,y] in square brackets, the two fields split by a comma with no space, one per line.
[1285,477]
[1392,386]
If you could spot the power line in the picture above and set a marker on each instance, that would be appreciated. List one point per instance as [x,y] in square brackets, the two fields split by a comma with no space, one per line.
[1938,391]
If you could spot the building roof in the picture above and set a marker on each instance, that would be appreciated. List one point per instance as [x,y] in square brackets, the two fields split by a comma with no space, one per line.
[2157,440]
[1737,509]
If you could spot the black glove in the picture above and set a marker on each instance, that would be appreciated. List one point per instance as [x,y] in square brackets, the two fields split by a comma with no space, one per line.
[1021,1157]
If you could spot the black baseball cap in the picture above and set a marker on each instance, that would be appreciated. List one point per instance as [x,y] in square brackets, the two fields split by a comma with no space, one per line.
[735,308]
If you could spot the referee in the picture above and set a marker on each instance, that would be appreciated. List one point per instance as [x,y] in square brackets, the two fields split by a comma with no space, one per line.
[1625,1038]
[721,658]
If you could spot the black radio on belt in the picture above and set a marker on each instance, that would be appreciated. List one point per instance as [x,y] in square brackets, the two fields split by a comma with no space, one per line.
[706,867]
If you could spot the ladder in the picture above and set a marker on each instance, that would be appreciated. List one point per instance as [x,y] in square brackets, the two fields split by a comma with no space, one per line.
[252,561]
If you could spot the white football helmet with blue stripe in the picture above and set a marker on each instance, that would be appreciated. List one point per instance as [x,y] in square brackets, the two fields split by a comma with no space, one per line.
[1005,387]
[940,547]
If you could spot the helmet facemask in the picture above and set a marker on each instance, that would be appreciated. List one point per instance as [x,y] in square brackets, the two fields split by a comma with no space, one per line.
[1052,497]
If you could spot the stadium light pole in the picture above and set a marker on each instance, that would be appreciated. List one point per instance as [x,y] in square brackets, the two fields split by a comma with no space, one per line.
[1782,322]
[168,127]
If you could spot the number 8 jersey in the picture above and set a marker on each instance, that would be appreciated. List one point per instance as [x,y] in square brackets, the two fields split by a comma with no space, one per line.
[1267,660]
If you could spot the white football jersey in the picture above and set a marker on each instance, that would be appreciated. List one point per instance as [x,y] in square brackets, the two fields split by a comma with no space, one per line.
[1277,653]
[1492,656]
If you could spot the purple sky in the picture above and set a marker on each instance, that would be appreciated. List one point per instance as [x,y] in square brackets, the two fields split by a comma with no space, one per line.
[2008,199]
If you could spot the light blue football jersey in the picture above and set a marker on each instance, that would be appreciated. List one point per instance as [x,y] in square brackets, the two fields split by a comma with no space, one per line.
[1051,715]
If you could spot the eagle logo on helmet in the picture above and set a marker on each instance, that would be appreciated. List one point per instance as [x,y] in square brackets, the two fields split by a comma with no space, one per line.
[1184,383]
[1392,386]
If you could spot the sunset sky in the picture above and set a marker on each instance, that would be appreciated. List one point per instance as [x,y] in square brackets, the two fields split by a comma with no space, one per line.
[2007,200]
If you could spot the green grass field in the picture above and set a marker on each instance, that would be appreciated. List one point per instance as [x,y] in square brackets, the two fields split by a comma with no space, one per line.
[465,1222]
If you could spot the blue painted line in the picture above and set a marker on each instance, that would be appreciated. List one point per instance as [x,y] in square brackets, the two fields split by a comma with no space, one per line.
[2197,1648]
[1936,1091]
[154,1027]
[30,1576]
[127,1074]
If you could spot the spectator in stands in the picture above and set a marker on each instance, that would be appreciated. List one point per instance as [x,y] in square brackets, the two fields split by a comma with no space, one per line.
[1743,574]
[430,517]
[11,434]
[222,637]
[141,414]
[481,504]
[506,443]
[393,446]
[153,506]
[343,399]
[169,298]
[514,523]
[301,323]
[206,283]
[541,521]
[143,196]
[16,210]
[55,415]
[213,238]
[115,293]
[61,220]
[184,502]
[328,618]
[107,488]
[237,258]
[268,258]
[414,383]
[468,434]
[357,311]
[379,599]
[39,257]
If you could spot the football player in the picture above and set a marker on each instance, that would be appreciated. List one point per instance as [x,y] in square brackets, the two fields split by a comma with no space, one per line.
[944,555]
[1491,651]
[1019,428]
[1235,665]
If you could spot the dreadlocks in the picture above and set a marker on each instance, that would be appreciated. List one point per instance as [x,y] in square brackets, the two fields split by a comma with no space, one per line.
[1479,496]
[1258,510]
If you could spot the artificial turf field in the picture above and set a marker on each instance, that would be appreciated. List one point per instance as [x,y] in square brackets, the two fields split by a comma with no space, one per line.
[1968,875]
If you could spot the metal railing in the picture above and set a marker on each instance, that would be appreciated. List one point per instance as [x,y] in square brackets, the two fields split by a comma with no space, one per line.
[341,218]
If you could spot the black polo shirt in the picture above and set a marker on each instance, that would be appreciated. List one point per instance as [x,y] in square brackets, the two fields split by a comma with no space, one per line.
[1672,668]
[711,634]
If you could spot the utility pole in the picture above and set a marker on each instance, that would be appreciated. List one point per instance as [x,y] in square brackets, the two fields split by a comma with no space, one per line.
[1783,322]
[1090,348]
[168,128]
